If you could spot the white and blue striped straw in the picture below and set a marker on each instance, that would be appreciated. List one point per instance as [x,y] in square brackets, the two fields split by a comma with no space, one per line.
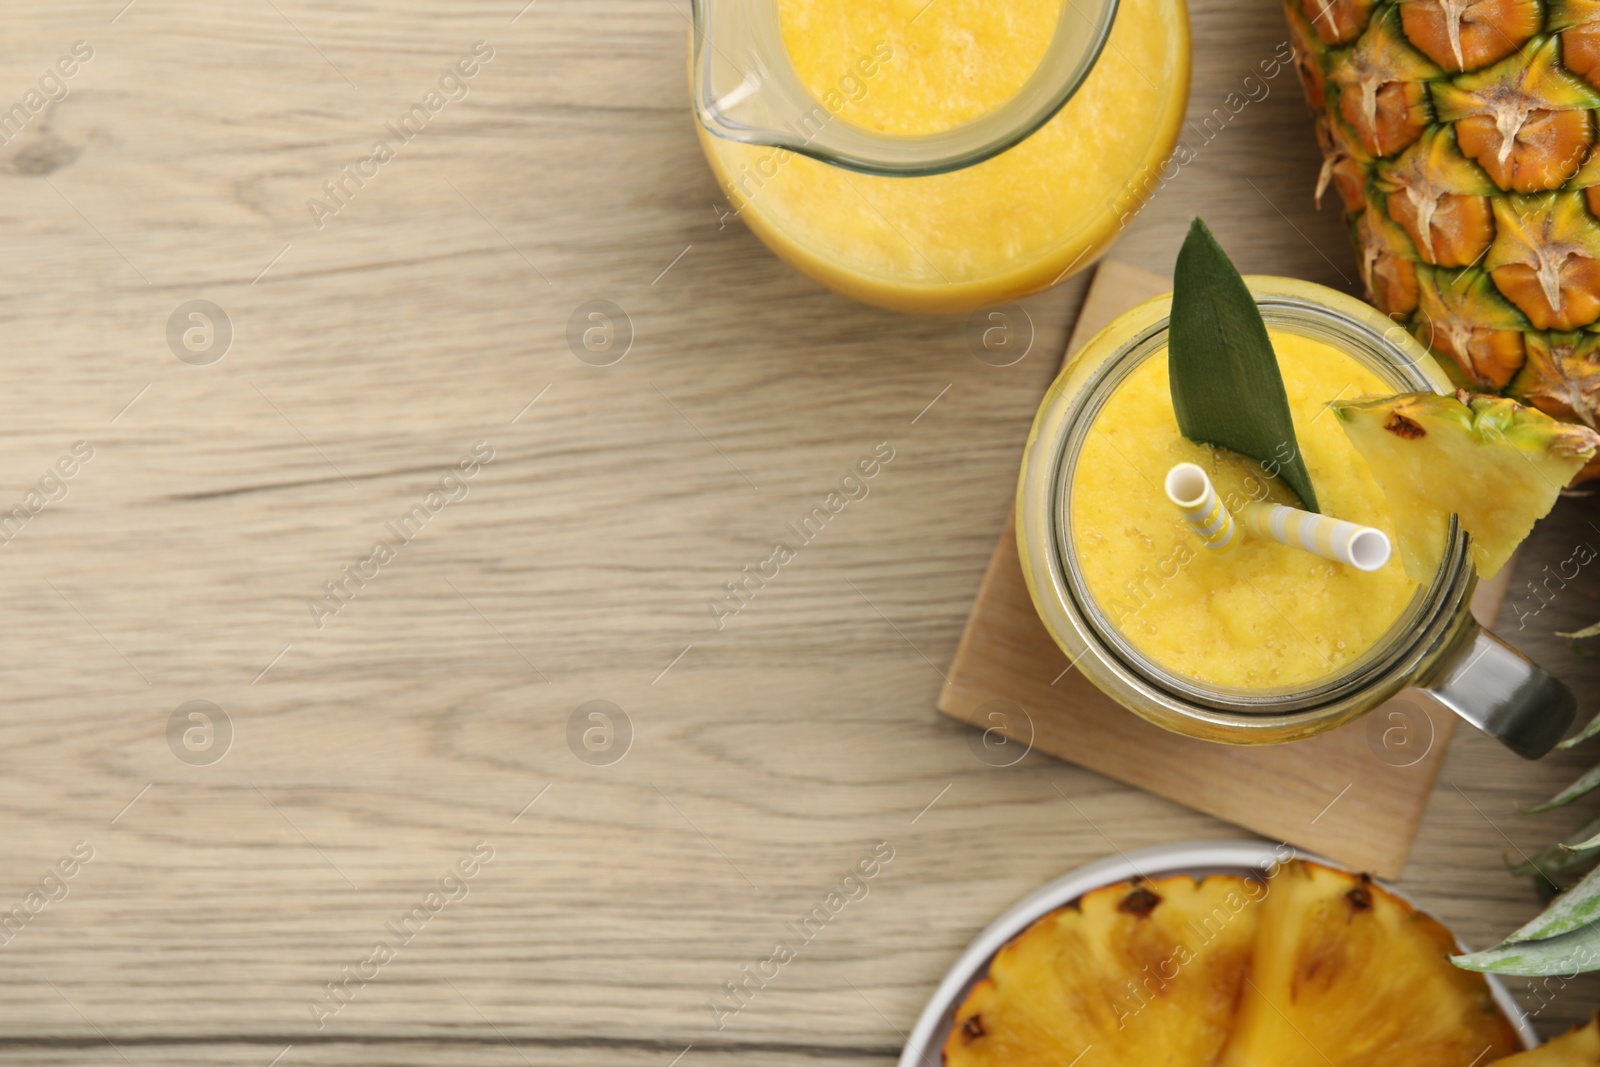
[1189,488]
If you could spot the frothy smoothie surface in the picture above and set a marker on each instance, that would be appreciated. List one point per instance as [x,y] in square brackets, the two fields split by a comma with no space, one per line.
[1267,615]
[946,65]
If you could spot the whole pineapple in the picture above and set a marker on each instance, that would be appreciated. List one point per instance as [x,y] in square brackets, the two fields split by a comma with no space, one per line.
[1461,136]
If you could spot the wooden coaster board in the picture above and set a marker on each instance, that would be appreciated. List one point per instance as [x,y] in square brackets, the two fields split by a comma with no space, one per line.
[1343,794]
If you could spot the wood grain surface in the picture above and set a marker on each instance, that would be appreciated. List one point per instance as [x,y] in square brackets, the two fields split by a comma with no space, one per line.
[369,754]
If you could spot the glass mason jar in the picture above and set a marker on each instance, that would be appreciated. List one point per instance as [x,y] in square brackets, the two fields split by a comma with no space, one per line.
[1434,645]
[939,212]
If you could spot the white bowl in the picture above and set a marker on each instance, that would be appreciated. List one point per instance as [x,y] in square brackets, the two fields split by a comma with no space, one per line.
[924,1046]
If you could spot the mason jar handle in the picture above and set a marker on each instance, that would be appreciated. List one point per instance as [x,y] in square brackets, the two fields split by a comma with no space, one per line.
[1503,693]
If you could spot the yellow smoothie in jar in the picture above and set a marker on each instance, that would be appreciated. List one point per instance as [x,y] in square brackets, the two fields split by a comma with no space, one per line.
[995,230]
[1266,616]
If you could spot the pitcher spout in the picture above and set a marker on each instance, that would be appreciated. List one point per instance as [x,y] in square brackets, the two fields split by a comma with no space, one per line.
[746,89]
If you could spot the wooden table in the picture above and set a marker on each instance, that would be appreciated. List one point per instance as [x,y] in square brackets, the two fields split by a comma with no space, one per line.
[372,748]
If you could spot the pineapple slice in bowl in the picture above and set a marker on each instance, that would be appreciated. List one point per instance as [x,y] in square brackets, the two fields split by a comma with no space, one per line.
[1578,1048]
[1152,968]
[1345,972]
[1135,985]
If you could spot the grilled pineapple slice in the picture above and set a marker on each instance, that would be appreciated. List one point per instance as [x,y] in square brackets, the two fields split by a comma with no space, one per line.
[1145,973]
[1345,974]
[1307,966]
[1579,1048]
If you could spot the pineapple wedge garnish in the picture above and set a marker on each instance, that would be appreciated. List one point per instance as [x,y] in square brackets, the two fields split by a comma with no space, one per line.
[1147,972]
[1494,464]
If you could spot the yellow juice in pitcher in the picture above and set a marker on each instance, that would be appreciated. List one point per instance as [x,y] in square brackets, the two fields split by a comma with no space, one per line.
[995,230]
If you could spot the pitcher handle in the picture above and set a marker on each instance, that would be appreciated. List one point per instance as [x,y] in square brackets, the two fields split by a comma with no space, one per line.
[1503,693]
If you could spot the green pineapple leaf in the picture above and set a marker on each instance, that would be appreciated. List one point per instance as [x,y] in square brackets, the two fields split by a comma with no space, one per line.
[1573,910]
[1567,954]
[1578,848]
[1563,939]
[1583,785]
[1594,724]
[1594,727]
[1226,388]
[1546,889]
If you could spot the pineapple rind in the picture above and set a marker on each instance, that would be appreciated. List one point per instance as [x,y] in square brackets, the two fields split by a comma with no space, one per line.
[1534,75]
[1431,186]
[1562,376]
[1511,74]
[1462,314]
[1541,241]
[1565,14]
[1467,297]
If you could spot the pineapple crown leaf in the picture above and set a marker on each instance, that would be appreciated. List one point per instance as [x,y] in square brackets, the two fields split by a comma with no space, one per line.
[1569,927]
[1585,784]
[1590,730]
[1575,909]
[1594,724]
[1227,390]
[1553,955]
[1561,856]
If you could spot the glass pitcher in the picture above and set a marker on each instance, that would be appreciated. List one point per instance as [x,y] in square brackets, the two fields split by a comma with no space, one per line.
[746,89]
[853,163]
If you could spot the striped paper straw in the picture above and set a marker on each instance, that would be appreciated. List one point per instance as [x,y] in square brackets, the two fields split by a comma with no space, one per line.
[1361,547]
[1190,489]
